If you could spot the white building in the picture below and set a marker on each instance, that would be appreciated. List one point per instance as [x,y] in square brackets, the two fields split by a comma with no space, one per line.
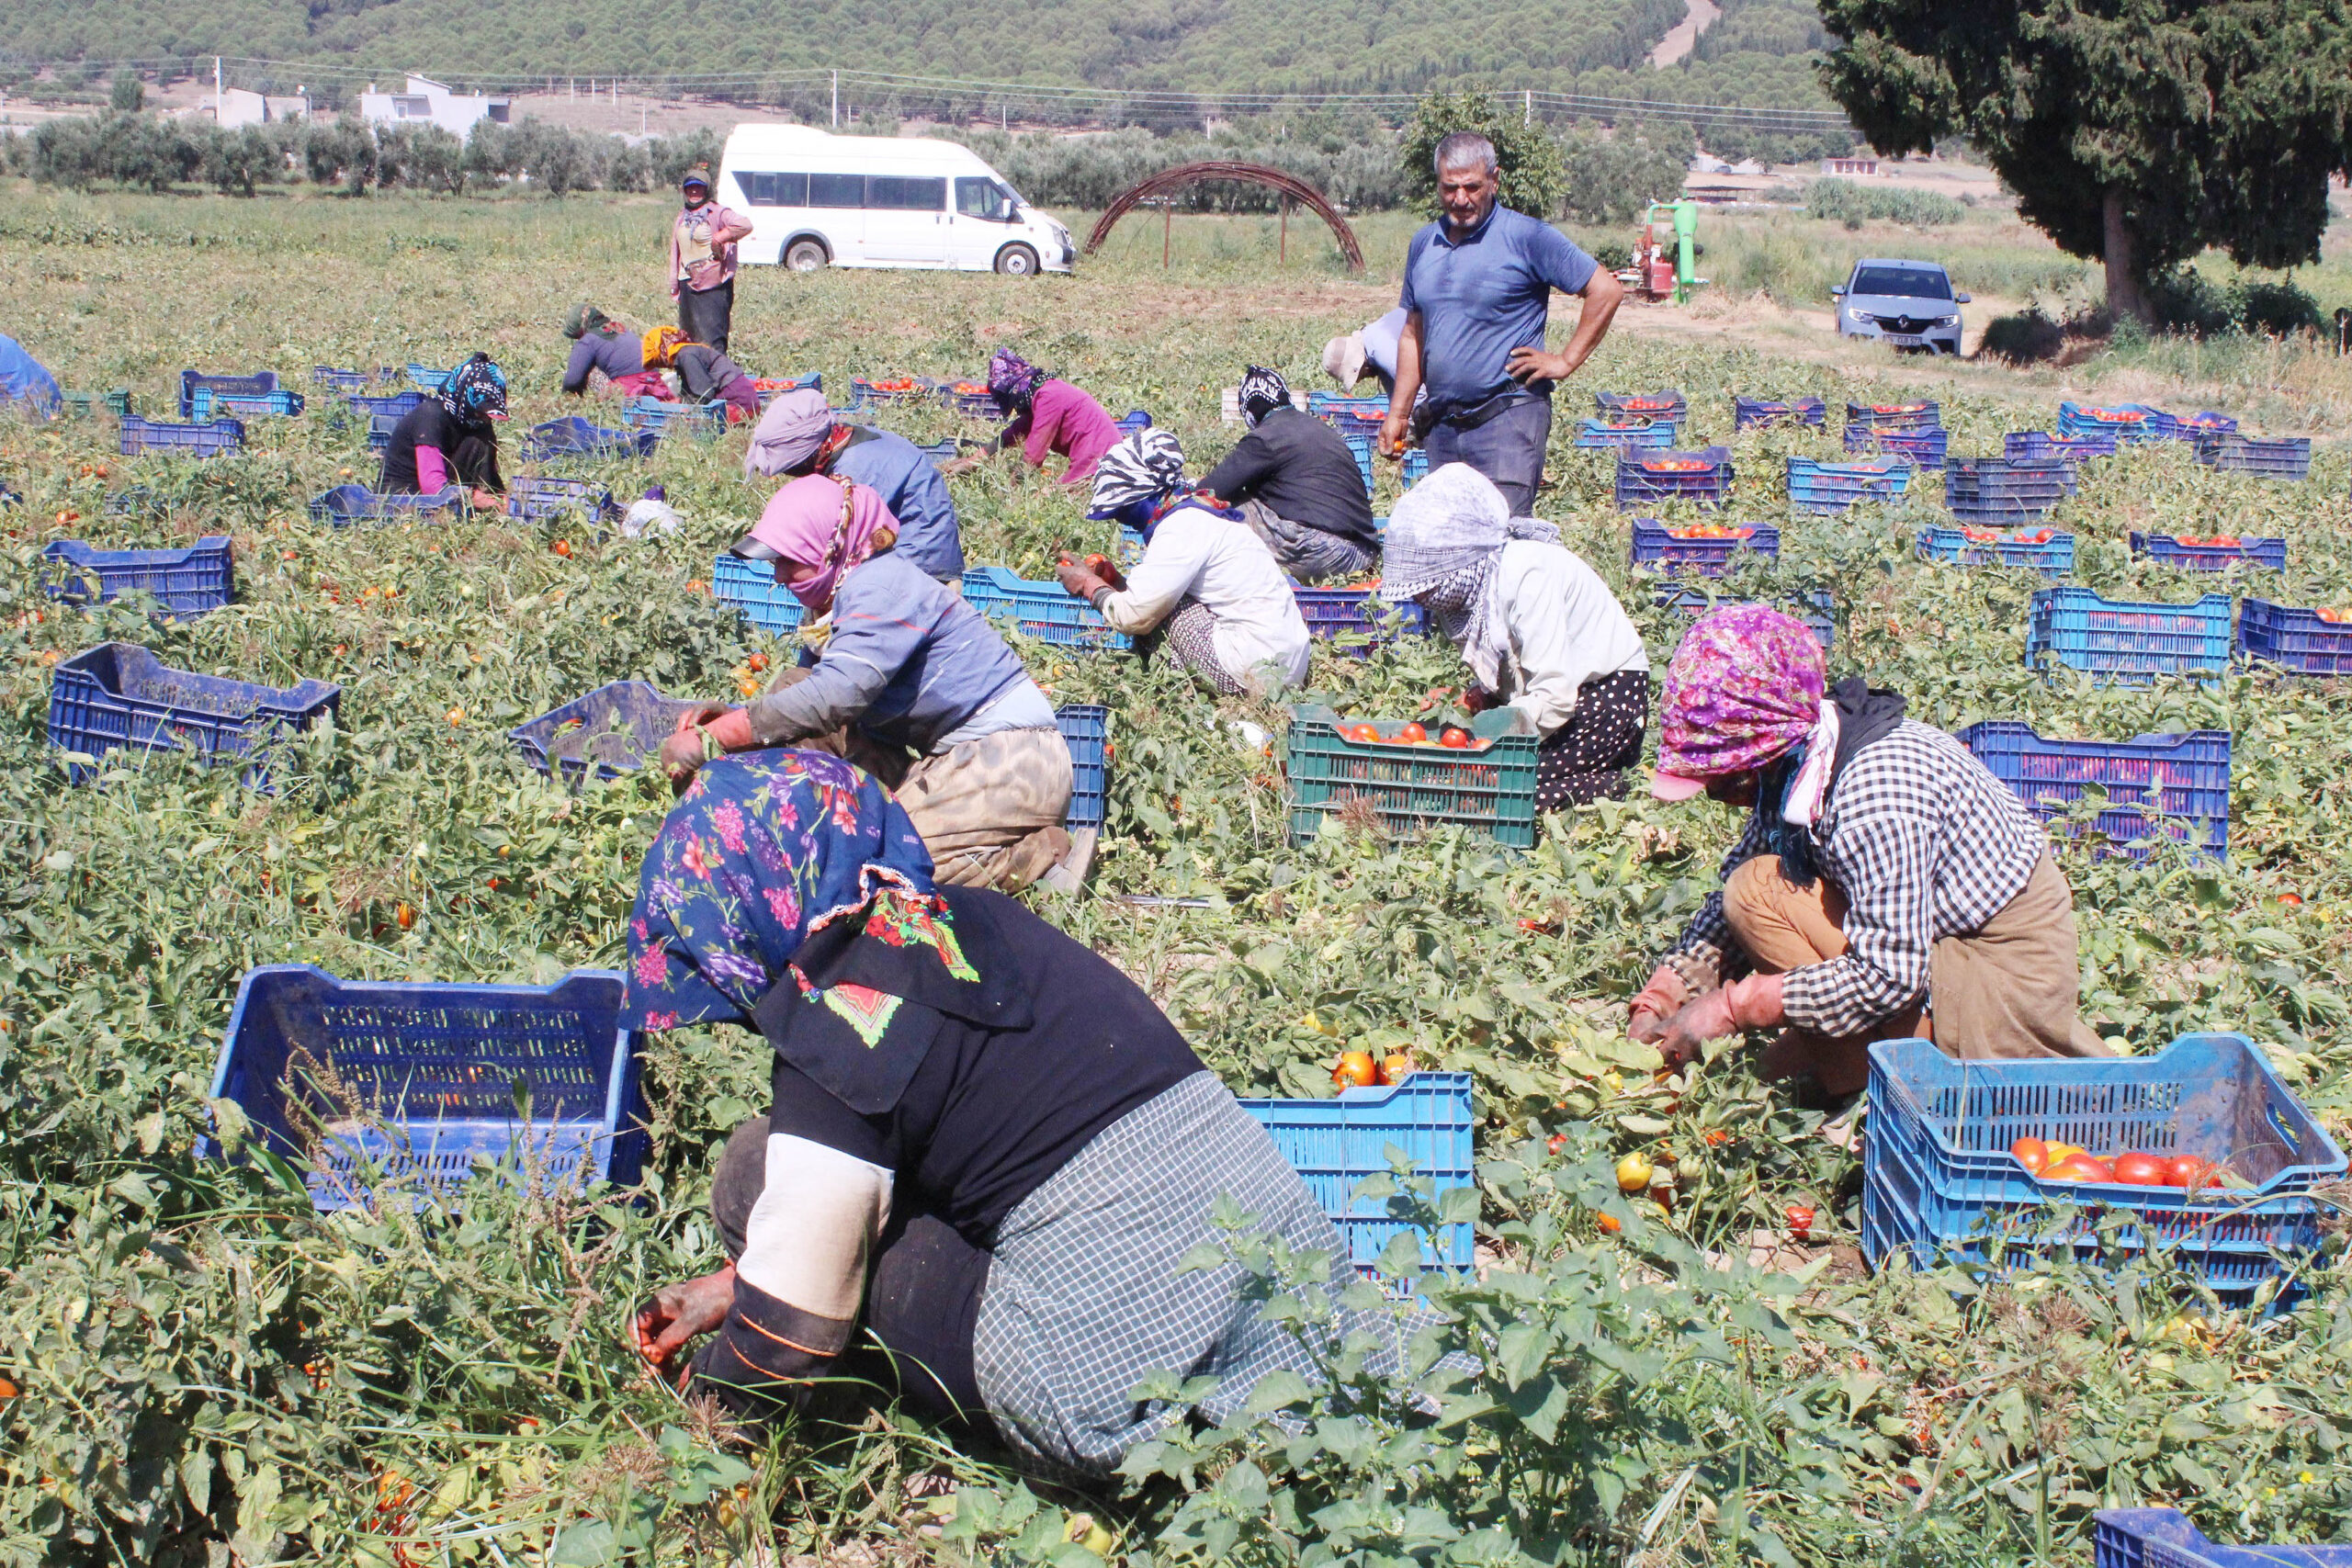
[234,107]
[427,102]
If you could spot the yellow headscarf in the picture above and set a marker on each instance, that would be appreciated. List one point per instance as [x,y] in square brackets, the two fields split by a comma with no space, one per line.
[661,345]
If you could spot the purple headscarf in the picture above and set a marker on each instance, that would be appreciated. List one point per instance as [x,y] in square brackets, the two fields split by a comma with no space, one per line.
[1014,380]
[1743,689]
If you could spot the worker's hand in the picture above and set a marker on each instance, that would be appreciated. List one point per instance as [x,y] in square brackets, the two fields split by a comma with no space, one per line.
[682,755]
[696,718]
[485,501]
[1477,698]
[955,465]
[1657,1002]
[1756,1002]
[1708,1018]
[1527,365]
[1075,580]
[677,1315]
[1393,431]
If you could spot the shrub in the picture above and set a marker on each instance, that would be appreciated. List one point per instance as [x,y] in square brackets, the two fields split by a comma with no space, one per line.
[1854,205]
[1533,179]
[1614,175]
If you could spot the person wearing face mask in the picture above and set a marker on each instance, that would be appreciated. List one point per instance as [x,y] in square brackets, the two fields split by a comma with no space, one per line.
[913,686]
[1888,885]
[800,435]
[702,261]
[1477,287]
[1297,486]
[451,437]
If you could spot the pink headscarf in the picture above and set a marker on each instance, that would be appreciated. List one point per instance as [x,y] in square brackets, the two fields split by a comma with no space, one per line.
[823,522]
[1744,687]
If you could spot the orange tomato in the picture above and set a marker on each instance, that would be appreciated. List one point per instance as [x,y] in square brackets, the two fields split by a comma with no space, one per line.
[757,661]
[2290,900]
[1356,1070]
[406,915]
[2190,1171]
[1801,1221]
[1553,1144]
[1395,1067]
[561,548]
[2079,1168]
[2032,1154]
[1454,738]
[1412,735]
[1609,1223]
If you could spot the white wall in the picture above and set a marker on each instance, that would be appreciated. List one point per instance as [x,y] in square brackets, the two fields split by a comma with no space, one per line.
[427,102]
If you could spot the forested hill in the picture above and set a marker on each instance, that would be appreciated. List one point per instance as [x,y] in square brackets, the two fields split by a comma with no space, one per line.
[1196,45]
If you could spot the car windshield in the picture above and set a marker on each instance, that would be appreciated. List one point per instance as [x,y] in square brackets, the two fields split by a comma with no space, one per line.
[1905,282]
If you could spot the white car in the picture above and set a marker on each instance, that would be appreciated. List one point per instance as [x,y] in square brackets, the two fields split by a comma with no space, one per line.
[1906,304]
[815,200]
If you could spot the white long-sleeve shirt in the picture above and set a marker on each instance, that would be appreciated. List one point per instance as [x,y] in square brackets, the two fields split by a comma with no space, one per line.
[1565,627]
[1228,568]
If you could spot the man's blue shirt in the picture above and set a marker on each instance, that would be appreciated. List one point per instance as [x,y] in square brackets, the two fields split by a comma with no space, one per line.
[1483,295]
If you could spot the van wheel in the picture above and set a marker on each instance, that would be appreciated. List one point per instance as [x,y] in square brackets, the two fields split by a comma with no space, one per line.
[805,255]
[1017,261]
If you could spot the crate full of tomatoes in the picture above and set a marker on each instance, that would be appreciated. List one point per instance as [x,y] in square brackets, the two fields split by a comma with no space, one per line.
[1410,778]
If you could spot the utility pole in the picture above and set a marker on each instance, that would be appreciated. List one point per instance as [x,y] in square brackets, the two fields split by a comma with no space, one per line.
[837,100]
[1528,111]
[220,109]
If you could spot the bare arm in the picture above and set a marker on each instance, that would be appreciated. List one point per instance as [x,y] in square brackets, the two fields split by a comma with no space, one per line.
[1601,296]
[1395,428]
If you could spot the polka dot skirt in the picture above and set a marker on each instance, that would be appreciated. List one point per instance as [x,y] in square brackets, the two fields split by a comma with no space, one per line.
[1586,758]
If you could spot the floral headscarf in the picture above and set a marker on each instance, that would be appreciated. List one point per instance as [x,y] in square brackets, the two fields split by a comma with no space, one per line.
[659,347]
[1014,380]
[765,848]
[1743,690]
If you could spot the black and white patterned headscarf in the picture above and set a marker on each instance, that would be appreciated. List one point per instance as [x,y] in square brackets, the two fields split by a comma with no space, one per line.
[1144,467]
[475,392]
[1262,392]
[1442,542]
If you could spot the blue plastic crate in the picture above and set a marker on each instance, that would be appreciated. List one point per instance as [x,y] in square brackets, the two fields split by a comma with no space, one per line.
[350,504]
[2027,445]
[2296,640]
[771,387]
[1358,611]
[705,421]
[120,695]
[255,384]
[532,497]
[1763,413]
[1906,417]
[184,582]
[2165,549]
[573,436]
[363,409]
[1995,491]
[1133,421]
[1042,609]
[1626,434]
[2044,550]
[360,1083]
[1360,448]
[1655,544]
[1086,729]
[335,380]
[382,428]
[425,379]
[1374,408]
[2163,1538]
[942,452]
[2127,425]
[752,587]
[2198,429]
[1414,467]
[614,729]
[2287,458]
[1924,448]
[1938,1178]
[867,392]
[1702,477]
[1490,787]
[1667,403]
[212,440]
[1817,609]
[2134,641]
[2157,787]
[1335,1143]
[1822,489]
[209,403]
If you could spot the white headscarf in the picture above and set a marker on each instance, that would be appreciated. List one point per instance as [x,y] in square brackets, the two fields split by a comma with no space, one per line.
[1442,542]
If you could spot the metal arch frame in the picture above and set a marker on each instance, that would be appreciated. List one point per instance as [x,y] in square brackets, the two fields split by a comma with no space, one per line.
[1167,180]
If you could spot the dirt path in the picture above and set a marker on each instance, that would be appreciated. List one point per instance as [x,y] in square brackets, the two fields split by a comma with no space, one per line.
[1684,35]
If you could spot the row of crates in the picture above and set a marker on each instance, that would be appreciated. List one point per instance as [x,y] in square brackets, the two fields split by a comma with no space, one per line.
[2125,640]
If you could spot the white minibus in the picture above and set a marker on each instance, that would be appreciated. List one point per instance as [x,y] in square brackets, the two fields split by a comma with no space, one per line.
[815,200]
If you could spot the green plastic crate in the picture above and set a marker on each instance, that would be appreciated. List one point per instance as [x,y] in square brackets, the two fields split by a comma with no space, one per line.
[1414,788]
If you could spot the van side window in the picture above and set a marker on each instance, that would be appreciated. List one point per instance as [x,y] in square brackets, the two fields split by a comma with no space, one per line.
[907,194]
[774,190]
[837,190]
[980,198]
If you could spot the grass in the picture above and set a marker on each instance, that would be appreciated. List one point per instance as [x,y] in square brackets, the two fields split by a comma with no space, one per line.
[208,1368]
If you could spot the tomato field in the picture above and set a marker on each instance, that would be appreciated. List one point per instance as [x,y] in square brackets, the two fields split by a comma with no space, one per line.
[1698,1369]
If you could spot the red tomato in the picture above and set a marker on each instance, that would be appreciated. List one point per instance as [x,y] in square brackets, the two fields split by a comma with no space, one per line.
[2189,1172]
[1454,738]
[2290,900]
[2138,1169]
[2032,1154]
[2080,1167]
[1554,1143]
[1799,1221]
[1356,1070]
[1412,735]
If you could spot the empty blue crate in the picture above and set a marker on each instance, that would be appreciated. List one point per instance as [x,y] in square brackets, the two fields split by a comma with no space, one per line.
[1086,731]
[1414,468]
[2044,550]
[379,1090]
[259,384]
[2304,642]
[346,504]
[1667,404]
[1817,609]
[1360,448]
[2028,446]
[1939,1181]
[425,379]
[942,452]
[120,695]
[1702,477]
[184,582]
[1996,490]
[2289,458]
[575,438]
[1707,548]
[2127,425]
[1907,417]
[2220,553]
[208,402]
[2163,1538]
[534,498]
[1133,421]
[1358,611]
[1767,413]
[364,410]
[339,380]
[1042,609]
[2134,641]
[706,421]
[2157,787]
[212,440]
[1335,1143]
[614,729]
[752,587]
[1626,433]
[1924,448]
[1822,489]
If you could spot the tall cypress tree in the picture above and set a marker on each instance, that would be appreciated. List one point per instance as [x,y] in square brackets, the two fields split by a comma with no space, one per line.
[2135,131]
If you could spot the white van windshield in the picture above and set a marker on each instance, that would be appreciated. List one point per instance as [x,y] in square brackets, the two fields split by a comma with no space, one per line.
[977,196]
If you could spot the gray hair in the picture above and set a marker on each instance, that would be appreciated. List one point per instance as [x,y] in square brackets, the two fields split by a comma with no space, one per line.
[1461,147]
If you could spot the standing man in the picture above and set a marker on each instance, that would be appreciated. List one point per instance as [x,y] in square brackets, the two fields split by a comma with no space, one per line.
[702,262]
[1477,285]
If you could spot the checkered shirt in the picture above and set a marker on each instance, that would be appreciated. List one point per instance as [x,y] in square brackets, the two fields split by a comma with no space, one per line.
[1924,842]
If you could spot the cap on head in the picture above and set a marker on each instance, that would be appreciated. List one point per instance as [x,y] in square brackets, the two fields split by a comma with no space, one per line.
[697,175]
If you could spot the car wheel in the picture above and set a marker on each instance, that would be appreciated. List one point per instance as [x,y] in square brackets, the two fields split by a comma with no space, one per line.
[805,255]
[1017,261]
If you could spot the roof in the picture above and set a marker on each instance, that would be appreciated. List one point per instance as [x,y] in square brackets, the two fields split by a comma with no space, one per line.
[1894,261]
